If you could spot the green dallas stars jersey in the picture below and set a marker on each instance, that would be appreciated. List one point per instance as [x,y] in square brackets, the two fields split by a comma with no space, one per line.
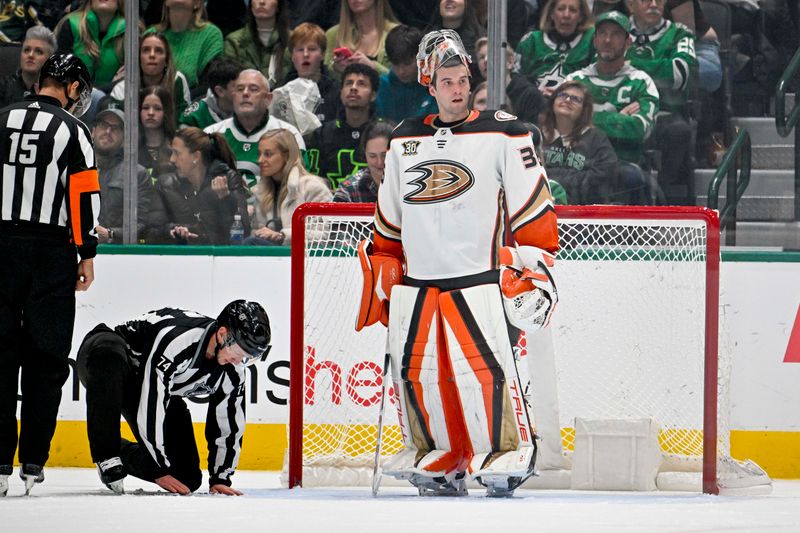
[541,58]
[245,145]
[667,55]
[202,113]
[613,93]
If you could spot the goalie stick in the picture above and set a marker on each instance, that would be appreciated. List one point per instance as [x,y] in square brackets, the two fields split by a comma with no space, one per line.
[376,472]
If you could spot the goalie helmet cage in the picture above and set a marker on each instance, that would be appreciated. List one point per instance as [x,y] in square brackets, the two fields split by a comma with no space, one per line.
[638,259]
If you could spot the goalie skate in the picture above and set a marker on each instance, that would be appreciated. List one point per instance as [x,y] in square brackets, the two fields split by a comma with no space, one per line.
[454,484]
[501,473]
[428,482]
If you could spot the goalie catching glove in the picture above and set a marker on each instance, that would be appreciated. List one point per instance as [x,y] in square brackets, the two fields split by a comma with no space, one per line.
[529,292]
[381,273]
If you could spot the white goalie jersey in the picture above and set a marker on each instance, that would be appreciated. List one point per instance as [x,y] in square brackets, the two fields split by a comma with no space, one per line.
[453,195]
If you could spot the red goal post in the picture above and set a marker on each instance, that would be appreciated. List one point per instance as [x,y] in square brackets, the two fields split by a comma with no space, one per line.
[323,236]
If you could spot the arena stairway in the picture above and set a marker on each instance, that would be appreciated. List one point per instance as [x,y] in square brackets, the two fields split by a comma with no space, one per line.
[765,213]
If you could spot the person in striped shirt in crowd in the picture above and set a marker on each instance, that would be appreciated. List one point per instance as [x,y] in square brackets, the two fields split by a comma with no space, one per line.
[144,368]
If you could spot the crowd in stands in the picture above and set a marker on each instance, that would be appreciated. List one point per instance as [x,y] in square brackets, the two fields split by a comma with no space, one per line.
[609,87]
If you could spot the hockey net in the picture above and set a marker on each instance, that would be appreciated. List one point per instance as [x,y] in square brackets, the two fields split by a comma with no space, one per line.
[635,335]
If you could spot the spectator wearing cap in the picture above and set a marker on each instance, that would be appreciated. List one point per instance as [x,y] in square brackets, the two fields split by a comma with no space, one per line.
[39,44]
[334,152]
[625,102]
[399,95]
[108,136]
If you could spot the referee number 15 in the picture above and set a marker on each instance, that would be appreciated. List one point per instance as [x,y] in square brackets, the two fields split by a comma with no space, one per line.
[24,146]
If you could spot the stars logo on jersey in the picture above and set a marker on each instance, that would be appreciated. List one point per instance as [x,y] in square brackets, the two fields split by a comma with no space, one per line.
[246,147]
[410,147]
[551,78]
[440,180]
[191,108]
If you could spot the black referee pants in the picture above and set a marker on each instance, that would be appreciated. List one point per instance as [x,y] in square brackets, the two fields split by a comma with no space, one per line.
[114,389]
[37,314]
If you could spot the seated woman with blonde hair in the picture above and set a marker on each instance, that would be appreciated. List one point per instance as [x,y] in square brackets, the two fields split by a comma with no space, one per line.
[284,184]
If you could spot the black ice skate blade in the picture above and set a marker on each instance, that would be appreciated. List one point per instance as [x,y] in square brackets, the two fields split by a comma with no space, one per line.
[439,486]
[499,493]
[143,492]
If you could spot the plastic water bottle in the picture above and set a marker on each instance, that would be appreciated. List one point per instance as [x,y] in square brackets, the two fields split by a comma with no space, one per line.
[237,230]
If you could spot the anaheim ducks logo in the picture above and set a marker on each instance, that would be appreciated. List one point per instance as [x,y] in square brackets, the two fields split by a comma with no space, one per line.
[440,180]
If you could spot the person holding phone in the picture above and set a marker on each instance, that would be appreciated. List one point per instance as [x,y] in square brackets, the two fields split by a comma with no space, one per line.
[360,36]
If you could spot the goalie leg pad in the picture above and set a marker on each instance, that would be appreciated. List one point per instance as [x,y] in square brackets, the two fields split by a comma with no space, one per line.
[431,421]
[489,383]
[485,369]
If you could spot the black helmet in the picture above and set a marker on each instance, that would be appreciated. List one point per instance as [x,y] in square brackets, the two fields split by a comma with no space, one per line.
[67,68]
[248,324]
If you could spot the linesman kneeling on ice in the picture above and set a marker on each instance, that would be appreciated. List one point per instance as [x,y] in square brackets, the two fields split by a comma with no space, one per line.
[457,187]
[144,368]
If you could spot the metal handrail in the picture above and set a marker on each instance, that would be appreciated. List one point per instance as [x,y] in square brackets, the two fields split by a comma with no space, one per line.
[735,166]
[783,122]
[786,123]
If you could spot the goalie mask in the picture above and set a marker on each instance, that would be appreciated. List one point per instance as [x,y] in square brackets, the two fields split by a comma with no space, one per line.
[436,48]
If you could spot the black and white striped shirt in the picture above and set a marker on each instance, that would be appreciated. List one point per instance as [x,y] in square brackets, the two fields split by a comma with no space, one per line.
[48,171]
[167,349]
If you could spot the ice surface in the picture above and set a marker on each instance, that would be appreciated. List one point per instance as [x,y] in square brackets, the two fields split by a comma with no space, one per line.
[73,500]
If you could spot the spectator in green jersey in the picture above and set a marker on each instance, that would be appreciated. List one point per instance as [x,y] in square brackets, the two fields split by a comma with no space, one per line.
[625,101]
[217,104]
[251,119]
[665,51]
[95,33]
[562,45]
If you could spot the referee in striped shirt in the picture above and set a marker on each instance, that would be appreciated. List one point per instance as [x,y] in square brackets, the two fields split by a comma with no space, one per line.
[49,201]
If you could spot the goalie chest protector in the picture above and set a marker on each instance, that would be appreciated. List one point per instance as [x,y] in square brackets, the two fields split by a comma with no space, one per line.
[454,194]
